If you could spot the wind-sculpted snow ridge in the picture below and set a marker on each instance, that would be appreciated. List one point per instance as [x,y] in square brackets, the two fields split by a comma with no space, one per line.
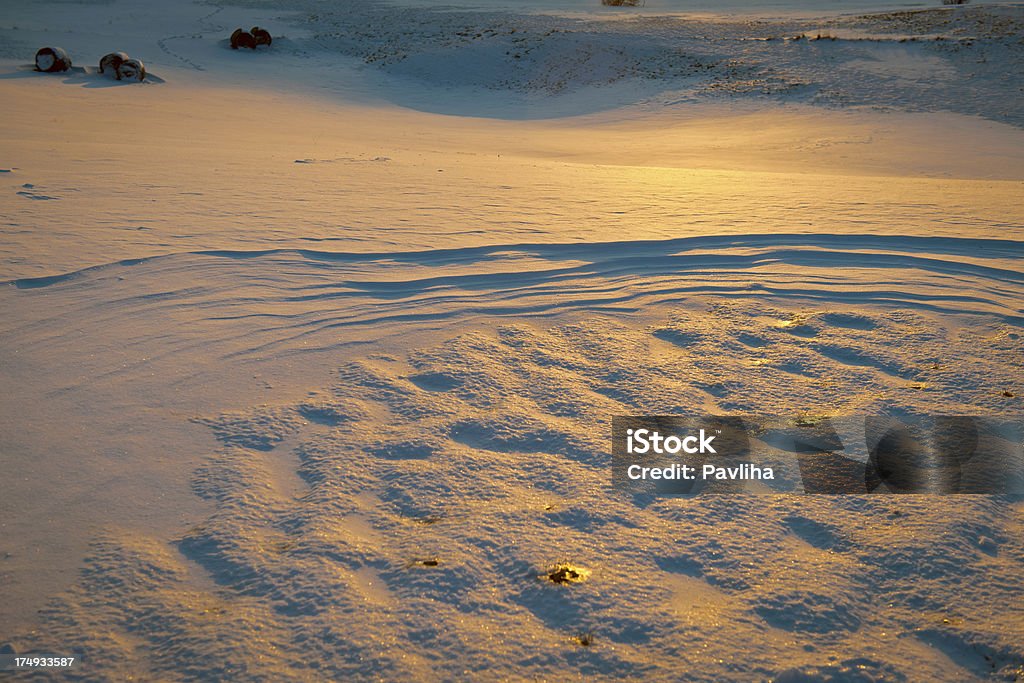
[965,59]
[445,512]
[251,304]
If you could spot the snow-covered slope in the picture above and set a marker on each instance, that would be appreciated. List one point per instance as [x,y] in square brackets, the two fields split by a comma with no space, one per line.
[308,356]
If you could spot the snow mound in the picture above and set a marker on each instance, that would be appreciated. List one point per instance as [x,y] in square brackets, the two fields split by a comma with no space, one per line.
[966,60]
[461,508]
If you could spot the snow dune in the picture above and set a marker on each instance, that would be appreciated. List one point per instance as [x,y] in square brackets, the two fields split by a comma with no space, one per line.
[461,451]
[309,356]
[401,520]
